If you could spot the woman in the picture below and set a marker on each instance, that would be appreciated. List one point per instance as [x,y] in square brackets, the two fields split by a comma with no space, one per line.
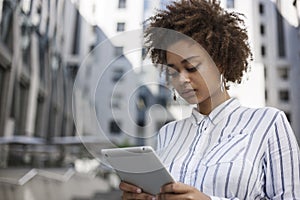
[223,150]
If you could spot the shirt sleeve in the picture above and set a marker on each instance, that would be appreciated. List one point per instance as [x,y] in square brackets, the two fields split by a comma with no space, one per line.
[282,165]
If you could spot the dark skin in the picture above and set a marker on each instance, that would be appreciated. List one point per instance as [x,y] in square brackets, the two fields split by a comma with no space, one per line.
[197,79]
[195,76]
[172,191]
[131,192]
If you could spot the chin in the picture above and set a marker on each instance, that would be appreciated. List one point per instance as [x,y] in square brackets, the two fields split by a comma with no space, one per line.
[193,100]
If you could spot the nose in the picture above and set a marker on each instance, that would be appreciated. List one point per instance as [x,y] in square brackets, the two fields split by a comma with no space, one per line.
[184,77]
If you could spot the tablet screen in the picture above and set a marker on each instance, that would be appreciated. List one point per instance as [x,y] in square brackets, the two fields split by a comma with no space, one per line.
[139,166]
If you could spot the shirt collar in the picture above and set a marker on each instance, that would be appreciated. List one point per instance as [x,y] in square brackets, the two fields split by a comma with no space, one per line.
[216,114]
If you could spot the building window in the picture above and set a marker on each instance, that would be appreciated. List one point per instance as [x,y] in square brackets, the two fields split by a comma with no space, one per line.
[76,35]
[6,23]
[117,74]
[3,96]
[56,101]
[120,26]
[38,131]
[2,73]
[263,50]
[114,127]
[261,9]
[43,60]
[52,121]
[26,47]
[122,4]
[266,94]
[262,29]
[230,3]
[19,107]
[118,51]
[284,95]
[280,35]
[283,73]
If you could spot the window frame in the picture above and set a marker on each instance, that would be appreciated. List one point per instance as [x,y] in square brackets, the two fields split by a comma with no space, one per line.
[121,26]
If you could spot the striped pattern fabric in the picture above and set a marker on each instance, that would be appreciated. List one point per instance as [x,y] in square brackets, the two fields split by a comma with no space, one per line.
[234,153]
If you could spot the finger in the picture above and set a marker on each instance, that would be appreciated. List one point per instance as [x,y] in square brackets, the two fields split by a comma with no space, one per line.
[136,196]
[177,187]
[126,187]
[169,196]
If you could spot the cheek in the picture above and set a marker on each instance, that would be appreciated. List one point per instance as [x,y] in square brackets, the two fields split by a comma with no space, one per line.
[208,80]
[199,81]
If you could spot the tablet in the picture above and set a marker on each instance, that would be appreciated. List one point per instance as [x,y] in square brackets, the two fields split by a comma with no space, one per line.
[139,166]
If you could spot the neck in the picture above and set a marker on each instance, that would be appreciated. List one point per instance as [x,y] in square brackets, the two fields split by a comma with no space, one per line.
[206,106]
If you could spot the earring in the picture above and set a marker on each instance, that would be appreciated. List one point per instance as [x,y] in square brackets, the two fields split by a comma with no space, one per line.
[174,95]
[222,83]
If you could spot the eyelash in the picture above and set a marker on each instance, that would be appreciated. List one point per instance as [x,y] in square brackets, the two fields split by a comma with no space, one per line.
[190,70]
[193,69]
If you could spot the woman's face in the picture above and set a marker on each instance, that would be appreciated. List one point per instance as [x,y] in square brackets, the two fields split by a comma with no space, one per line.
[192,72]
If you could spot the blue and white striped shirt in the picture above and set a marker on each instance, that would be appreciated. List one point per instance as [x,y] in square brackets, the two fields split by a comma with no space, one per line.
[234,153]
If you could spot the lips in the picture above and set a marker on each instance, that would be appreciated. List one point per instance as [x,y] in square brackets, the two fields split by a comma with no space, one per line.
[188,93]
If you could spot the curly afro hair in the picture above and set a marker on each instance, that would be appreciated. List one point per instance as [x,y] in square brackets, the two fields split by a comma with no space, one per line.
[221,34]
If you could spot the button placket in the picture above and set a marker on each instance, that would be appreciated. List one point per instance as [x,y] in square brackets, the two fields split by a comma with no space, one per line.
[204,123]
[200,148]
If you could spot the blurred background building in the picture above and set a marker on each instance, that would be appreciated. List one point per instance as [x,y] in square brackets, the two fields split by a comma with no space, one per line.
[42,46]
[46,45]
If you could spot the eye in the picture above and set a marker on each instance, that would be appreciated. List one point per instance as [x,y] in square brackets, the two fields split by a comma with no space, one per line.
[192,68]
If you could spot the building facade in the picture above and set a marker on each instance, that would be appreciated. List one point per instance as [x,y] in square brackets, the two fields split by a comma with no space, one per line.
[106,80]
[42,44]
[280,53]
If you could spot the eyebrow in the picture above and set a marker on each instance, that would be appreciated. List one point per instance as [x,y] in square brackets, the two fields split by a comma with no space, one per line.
[184,61]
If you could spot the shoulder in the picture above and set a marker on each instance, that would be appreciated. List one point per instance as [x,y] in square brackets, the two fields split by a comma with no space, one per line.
[267,121]
[263,113]
[260,121]
[271,110]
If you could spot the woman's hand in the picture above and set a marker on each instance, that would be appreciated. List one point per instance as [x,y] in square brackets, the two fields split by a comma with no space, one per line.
[175,191]
[132,192]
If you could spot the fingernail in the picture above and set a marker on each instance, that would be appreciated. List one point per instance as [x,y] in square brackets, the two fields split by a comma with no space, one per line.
[138,190]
